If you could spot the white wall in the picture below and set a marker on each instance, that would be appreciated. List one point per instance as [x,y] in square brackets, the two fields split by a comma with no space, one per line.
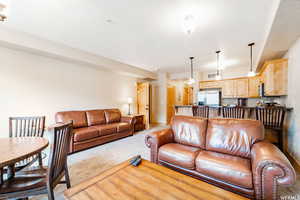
[232,72]
[293,100]
[36,85]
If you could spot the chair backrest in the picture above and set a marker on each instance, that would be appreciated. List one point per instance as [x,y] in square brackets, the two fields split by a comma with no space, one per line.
[26,126]
[201,111]
[271,116]
[59,151]
[233,112]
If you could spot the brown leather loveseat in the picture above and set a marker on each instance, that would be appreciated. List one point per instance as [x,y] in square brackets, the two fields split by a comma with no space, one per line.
[229,153]
[94,127]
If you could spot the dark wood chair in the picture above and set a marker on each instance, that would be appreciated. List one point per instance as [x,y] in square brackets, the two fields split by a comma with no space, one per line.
[27,127]
[273,118]
[36,181]
[233,112]
[201,111]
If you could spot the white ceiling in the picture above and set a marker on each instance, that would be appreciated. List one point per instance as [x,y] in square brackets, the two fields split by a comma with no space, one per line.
[149,34]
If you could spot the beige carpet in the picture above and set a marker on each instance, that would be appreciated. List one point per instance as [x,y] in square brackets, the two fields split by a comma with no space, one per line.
[91,162]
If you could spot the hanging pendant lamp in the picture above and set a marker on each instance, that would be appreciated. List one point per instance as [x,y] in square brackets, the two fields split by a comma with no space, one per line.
[191,79]
[218,76]
[251,72]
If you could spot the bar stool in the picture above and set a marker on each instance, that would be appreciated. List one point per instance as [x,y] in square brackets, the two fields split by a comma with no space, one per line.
[201,111]
[233,112]
[272,118]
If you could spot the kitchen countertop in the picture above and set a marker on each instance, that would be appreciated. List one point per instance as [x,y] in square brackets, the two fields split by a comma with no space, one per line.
[248,107]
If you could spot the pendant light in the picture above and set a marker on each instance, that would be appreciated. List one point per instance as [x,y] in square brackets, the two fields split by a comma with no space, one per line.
[251,72]
[191,80]
[218,76]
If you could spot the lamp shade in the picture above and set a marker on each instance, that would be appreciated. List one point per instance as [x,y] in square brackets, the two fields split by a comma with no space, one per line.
[129,100]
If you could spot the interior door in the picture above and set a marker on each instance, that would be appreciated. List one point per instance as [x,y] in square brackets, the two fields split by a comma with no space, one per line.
[171,99]
[143,101]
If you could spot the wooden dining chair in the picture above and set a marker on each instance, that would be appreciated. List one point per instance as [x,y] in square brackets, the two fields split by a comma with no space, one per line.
[233,112]
[27,127]
[200,111]
[36,181]
[272,118]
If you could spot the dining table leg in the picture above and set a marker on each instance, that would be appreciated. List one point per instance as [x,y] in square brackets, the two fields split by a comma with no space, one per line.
[10,171]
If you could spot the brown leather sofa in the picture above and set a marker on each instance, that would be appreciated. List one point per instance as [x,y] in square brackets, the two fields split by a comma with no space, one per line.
[95,127]
[229,153]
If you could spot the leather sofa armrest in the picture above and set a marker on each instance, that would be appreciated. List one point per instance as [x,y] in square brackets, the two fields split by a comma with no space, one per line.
[128,119]
[270,168]
[155,140]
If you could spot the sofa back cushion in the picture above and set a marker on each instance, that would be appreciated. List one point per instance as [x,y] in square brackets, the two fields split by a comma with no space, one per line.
[112,115]
[189,130]
[78,118]
[233,136]
[95,117]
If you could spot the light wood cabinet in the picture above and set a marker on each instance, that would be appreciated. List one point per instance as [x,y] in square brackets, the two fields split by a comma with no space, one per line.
[274,77]
[254,84]
[228,90]
[210,84]
[235,88]
[241,87]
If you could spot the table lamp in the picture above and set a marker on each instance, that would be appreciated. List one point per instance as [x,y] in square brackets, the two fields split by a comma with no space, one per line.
[129,101]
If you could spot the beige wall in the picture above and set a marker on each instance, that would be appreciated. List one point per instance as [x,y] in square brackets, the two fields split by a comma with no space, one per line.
[36,85]
[159,99]
[233,72]
[292,100]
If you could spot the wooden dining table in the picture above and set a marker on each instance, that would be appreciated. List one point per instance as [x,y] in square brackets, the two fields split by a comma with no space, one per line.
[13,150]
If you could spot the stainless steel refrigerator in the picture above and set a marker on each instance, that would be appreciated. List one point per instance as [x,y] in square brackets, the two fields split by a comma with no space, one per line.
[209,97]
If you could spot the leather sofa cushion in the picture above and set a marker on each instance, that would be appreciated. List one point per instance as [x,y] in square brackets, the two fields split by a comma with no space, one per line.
[189,130]
[106,129]
[95,117]
[112,115]
[228,168]
[81,134]
[233,136]
[122,126]
[178,154]
[78,117]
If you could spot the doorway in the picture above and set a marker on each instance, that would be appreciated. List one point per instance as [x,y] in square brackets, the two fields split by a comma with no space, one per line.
[143,101]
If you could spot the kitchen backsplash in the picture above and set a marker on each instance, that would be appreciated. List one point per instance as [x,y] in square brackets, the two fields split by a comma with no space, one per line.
[252,101]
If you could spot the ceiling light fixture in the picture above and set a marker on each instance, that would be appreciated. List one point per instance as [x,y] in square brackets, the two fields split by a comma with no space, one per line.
[218,76]
[191,80]
[251,72]
[189,24]
[4,10]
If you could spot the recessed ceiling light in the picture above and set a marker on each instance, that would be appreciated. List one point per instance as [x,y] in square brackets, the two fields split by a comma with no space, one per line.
[109,21]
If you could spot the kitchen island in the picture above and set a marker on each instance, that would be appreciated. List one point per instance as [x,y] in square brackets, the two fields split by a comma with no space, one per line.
[216,111]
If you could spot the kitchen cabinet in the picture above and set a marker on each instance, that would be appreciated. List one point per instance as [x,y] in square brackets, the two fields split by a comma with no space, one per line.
[274,76]
[210,84]
[228,90]
[254,84]
[241,88]
[235,88]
